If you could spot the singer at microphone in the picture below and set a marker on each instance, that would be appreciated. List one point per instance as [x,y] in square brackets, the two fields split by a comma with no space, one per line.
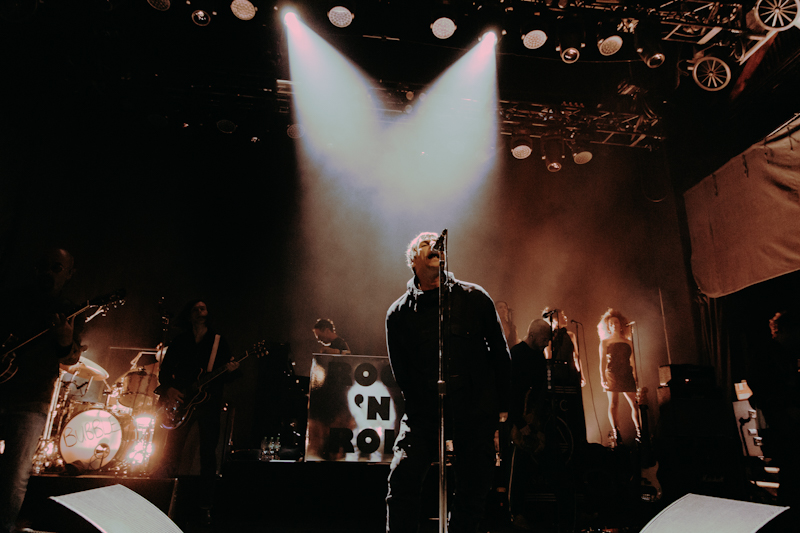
[480,358]
[618,369]
[564,347]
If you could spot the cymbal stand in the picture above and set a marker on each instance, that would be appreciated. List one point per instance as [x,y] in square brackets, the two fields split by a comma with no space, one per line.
[47,454]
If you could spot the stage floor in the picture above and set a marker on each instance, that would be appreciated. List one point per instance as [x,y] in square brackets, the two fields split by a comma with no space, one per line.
[297,497]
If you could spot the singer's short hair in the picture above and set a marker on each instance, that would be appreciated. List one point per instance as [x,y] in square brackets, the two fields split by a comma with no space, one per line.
[324,323]
[541,332]
[413,246]
[602,327]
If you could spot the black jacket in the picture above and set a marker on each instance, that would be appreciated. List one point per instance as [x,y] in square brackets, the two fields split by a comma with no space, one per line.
[478,362]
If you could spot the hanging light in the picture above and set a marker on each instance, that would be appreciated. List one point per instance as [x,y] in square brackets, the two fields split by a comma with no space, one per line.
[609,40]
[711,73]
[521,146]
[553,151]
[201,17]
[443,17]
[340,16]
[243,9]
[295,131]
[161,5]
[648,44]
[580,153]
[443,27]
[534,34]
[570,41]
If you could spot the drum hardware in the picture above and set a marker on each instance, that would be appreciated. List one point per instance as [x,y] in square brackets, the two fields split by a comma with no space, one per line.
[90,436]
[86,369]
[94,438]
[138,389]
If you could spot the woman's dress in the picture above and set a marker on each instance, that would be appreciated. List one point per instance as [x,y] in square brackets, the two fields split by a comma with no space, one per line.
[619,373]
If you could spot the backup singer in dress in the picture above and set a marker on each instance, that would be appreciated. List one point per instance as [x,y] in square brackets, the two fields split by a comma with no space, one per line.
[506,315]
[187,356]
[477,389]
[564,346]
[617,367]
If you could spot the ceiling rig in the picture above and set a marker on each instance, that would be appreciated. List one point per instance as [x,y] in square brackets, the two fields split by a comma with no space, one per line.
[724,35]
[558,128]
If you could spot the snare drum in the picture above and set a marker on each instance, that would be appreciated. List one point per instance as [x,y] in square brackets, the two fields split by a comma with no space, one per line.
[96,438]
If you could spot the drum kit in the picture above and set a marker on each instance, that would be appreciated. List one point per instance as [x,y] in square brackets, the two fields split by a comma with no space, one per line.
[114,436]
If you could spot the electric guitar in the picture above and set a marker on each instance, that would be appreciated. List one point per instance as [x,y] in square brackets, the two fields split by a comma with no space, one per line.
[650,487]
[534,415]
[9,348]
[172,415]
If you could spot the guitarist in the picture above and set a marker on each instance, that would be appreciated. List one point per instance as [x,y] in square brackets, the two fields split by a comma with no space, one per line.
[199,349]
[526,413]
[31,371]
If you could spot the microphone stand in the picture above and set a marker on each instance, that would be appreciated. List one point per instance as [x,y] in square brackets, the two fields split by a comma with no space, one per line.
[442,385]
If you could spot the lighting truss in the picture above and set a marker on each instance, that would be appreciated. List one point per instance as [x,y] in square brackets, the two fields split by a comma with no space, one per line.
[742,26]
[592,124]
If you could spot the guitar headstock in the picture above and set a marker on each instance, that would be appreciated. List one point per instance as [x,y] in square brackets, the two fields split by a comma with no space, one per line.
[108,301]
[259,349]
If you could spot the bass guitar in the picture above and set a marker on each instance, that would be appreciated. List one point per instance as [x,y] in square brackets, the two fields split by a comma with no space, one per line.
[102,304]
[650,487]
[172,415]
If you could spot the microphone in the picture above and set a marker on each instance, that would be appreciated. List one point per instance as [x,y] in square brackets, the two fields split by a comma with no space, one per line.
[550,313]
[439,245]
[575,322]
[632,322]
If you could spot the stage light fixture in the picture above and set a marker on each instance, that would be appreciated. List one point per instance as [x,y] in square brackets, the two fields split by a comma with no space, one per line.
[161,5]
[443,27]
[570,41]
[581,153]
[534,34]
[491,37]
[443,17]
[534,39]
[295,131]
[243,9]
[553,151]
[521,146]
[648,44]
[340,16]
[226,126]
[711,73]
[201,17]
[609,40]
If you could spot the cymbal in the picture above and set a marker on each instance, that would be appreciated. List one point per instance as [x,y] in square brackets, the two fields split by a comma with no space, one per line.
[87,369]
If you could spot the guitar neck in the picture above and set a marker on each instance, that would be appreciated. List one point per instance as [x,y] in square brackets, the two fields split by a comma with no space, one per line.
[208,378]
[70,317]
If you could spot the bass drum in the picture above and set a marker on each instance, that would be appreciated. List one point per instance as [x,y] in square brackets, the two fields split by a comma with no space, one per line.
[96,438]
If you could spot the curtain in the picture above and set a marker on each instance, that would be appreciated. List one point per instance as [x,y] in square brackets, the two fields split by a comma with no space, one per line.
[744,219]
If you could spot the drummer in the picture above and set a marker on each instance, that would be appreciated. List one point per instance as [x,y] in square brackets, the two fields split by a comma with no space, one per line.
[28,383]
